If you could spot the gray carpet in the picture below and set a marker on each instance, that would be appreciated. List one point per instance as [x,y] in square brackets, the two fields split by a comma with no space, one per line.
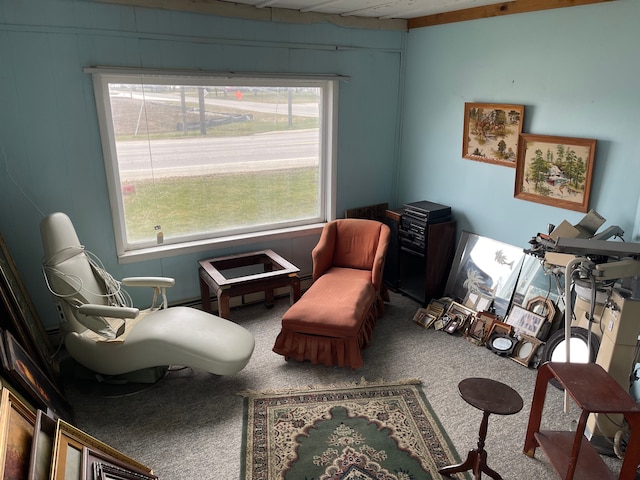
[189,425]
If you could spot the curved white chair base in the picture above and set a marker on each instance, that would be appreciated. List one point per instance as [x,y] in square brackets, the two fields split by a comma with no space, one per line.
[174,336]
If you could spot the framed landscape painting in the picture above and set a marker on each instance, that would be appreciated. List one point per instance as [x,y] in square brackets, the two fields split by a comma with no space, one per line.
[555,171]
[491,132]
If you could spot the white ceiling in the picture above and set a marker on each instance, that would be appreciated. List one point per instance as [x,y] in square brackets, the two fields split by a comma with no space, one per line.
[383,9]
[378,14]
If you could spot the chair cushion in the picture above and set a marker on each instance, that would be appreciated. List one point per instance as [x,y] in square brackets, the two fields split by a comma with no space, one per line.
[356,243]
[334,306]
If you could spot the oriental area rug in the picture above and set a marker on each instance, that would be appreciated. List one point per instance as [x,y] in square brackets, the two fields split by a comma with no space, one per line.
[365,431]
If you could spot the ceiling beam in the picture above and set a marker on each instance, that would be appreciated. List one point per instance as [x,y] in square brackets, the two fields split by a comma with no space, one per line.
[508,8]
[266,13]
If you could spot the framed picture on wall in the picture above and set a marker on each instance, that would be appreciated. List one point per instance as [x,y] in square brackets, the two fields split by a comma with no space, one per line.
[491,132]
[555,171]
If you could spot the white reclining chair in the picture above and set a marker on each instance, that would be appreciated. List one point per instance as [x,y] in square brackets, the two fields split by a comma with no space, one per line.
[105,333]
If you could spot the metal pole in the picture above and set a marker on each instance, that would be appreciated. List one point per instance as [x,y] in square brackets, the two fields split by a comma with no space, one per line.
[568,313]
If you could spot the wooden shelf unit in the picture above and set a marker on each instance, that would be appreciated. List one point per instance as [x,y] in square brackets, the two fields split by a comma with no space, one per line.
[594,391]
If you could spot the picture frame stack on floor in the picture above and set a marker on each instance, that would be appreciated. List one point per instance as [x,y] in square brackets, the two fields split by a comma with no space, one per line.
[18,314]
[35,446]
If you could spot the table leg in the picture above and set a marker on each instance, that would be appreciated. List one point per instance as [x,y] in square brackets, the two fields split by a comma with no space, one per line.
[476,459]
[224,310]
[294,294]
[469,464]
[205,296]
[269,298]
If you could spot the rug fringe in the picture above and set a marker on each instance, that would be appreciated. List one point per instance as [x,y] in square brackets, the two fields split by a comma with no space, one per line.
[362,383]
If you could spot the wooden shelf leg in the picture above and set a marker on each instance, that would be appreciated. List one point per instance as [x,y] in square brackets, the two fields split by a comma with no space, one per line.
[537,405]
[632,452]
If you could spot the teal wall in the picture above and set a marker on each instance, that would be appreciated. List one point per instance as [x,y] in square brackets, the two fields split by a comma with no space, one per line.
[576,70]
[50,151]
[400,122]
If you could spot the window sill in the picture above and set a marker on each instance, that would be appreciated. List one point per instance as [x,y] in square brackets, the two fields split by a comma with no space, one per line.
[170,250]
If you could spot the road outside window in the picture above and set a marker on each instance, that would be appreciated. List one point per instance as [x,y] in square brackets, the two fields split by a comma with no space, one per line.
[191,159]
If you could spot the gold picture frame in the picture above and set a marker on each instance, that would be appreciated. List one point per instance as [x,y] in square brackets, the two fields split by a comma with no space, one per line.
[478,331]
[460,314]
[42,446]
[478,301]
[555,171]
[420,316]
[542,306]
[491,132]
[501,328]
[17,423]
[70,452]
[526,349]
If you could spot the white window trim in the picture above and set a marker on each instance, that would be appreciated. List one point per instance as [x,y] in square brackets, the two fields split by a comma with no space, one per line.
[101,78]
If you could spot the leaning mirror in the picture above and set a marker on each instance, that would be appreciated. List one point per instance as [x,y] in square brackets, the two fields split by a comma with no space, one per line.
[484,269]
[540,288]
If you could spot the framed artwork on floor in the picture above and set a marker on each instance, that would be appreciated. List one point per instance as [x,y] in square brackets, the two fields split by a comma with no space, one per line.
[20,309]
[17,423]
[526,349]
[525,321]
[75,453]
[555,171]
[101,466]
[42,446]
[478,332]
[491,132]
[21,367]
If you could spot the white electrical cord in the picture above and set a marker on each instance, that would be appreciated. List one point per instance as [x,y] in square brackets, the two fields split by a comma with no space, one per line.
[115,295]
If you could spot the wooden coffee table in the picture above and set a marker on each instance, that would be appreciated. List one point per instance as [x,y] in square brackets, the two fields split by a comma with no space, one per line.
[243,273]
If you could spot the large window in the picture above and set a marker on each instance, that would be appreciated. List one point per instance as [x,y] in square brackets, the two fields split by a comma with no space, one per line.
[196,159]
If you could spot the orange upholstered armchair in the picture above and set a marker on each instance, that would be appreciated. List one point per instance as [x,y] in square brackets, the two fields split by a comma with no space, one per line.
[335,318]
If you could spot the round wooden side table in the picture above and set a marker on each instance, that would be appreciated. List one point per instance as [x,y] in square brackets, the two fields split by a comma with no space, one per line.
[490,396]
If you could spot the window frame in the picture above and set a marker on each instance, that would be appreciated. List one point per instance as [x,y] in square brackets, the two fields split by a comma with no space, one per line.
[103,76]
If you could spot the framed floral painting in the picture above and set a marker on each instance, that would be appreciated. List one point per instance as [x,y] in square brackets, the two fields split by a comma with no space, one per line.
[491,132]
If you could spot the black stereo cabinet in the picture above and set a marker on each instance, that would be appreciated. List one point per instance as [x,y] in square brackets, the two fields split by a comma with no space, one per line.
[421,250]
[423,275]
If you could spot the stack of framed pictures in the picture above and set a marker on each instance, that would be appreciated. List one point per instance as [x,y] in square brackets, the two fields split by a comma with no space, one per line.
[34,446]
[18,314]
[29,379]
[515,299]
[426,317]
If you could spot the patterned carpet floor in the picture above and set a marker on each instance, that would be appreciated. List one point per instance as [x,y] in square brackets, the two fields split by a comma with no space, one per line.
[364,430]
[189,424]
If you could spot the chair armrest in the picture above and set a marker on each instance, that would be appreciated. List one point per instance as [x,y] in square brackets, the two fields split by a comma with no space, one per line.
[322,253]
[160,282]
[377,271]
[159,285]
[91,309]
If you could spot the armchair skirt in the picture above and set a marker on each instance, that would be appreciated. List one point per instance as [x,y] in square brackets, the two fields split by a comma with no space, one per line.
[332,322]
[334,319]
